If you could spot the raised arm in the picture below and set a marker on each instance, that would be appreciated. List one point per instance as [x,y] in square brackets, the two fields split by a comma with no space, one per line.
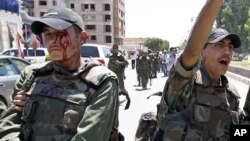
[199,33]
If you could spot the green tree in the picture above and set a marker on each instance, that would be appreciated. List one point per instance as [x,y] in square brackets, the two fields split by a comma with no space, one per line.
[156,44]
[247,28]
[234,17]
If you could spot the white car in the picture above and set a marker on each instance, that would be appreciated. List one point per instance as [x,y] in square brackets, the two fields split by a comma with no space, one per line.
[34,56]
[98,52]
[10,70]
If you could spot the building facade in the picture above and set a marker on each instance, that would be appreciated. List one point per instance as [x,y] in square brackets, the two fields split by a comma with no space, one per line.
[10,24]
[104,19]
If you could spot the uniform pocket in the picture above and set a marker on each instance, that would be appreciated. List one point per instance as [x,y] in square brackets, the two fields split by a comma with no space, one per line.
[202,113]
[193,134]
[174,130]
[73,114]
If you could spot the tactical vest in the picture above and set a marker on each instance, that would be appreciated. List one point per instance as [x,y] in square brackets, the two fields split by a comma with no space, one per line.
[208,116]
[54,110]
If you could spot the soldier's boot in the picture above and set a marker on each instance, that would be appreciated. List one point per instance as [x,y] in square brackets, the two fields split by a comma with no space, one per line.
[139,84]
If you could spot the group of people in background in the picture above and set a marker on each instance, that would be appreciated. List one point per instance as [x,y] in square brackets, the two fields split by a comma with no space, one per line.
[69,99]
[148,64]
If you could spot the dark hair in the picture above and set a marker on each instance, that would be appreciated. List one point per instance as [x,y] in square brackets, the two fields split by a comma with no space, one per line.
[172,48]
[115,46]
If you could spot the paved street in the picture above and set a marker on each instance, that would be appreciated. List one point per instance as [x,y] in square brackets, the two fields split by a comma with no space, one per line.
[140,104]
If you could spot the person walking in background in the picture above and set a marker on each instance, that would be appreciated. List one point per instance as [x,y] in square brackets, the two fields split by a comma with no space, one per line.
[133,59]
[198,101]
[163,62]
[67,98]
[138,71]
[145,68]
[171,58]
[117,63]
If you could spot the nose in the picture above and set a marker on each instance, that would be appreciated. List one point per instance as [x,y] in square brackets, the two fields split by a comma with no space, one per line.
[227,51]
[56,37]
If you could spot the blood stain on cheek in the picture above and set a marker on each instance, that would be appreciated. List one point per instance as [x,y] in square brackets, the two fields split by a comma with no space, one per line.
[64,42]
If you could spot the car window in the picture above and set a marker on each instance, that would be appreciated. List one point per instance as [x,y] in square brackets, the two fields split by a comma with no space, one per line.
[6,69]
[89,51]
[106,52]
[20,64]
[32,52]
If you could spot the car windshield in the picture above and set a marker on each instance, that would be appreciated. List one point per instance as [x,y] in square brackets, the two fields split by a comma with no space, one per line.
[89,51]
[29,52]
[6,69]
[32,52]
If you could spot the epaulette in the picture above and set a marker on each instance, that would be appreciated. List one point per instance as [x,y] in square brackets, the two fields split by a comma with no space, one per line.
[96,74]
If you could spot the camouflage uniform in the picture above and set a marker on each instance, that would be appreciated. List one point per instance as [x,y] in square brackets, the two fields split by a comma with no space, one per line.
[138,70]
[63,106]
[2,106]
[119,70]
[145,70]
[155,65]
[193,107]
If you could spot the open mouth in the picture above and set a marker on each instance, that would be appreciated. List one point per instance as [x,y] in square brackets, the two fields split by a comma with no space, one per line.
[224,61]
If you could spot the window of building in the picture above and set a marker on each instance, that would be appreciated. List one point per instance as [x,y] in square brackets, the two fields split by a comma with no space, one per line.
[108,39]
[72,5]
[42,13]
[92,7]
[85,7]
[107,18]
[88,7]
[93,37]
[90,27]
[54,3]
[89,17]
[42,2]
[107,7]
[107,28]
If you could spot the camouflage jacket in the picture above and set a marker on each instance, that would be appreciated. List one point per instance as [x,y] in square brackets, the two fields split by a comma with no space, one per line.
[63,105]
[144,65]
[117,68]
[193,107]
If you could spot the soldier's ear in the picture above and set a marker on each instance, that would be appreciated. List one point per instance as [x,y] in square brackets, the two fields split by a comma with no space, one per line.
[84,36]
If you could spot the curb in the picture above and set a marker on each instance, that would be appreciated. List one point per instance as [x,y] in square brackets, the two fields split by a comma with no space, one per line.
[238,77]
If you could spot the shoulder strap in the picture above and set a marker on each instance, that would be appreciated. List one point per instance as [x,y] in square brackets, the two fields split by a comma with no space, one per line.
[90,75]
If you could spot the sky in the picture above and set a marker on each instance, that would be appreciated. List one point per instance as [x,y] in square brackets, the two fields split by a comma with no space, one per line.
[169,20]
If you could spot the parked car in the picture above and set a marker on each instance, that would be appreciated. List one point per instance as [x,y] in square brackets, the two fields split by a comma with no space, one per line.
[10,70]
[246,60]
[35,56]
[98,52]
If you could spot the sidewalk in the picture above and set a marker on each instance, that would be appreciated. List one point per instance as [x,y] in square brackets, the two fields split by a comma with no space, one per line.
[240,78]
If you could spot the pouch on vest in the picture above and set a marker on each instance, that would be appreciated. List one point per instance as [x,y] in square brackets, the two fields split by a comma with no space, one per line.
[175,130]
[60,123]
[202,113]
[193,134]
[147,127]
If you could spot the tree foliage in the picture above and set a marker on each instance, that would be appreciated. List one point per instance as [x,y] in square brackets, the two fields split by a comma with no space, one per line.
[156,44]
[234,17]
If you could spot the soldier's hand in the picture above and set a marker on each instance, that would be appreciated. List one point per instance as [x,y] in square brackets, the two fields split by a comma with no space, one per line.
[19,100]
[117,62]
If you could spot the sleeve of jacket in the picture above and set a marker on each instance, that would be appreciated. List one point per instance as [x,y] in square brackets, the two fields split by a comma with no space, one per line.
[175,90]
[101,114]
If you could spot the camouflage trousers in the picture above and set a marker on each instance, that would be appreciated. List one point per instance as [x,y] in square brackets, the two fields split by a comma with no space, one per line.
[120,76]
